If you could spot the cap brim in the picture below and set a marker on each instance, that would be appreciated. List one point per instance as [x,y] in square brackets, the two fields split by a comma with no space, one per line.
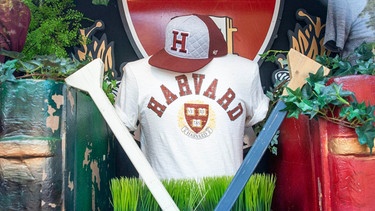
[164,60]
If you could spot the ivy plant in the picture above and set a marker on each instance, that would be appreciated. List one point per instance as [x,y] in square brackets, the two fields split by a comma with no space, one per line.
[40,67]
[360,62]
[320,97]
[53,29]
[48,67]
[273,94]
[110,86]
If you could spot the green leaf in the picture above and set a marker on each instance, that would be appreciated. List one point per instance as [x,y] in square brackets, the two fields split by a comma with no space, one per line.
[100,2]
[318,77]
[366,135]
[307,91]
[340,93]
[305,105]
[293,95]
[11,54]
[7,69]
[292,109]
[319,88]
[364,51]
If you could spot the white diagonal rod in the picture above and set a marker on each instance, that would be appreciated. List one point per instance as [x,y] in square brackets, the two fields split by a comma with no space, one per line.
[89,79]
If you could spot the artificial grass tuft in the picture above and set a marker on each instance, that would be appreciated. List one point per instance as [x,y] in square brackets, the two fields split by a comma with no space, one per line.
[190,194]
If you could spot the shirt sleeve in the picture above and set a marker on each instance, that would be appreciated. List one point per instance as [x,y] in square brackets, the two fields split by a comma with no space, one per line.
[258,100]
[126,103]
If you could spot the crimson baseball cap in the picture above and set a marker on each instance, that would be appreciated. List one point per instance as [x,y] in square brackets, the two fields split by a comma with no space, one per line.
[191,42]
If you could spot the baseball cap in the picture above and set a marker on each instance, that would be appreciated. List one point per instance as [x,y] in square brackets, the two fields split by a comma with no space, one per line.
[191,42]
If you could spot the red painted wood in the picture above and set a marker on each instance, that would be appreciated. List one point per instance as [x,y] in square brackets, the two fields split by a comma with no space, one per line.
[252,18]
[294,168]
[351,177]
[309,176]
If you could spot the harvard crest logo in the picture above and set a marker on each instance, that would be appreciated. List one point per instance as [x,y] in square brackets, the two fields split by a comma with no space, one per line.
[196,116]
[196,120]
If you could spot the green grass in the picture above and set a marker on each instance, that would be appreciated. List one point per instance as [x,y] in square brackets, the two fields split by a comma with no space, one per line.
[189,194]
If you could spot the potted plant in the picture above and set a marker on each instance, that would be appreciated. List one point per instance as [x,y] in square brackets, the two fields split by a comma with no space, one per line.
[331,140]
[323,97]
[52,27]
[45,147]
[47,29]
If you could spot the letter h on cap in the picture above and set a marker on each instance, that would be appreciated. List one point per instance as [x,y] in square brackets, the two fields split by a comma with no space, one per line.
[182,42]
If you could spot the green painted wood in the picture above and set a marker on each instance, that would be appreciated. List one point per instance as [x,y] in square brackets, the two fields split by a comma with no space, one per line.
[89,155]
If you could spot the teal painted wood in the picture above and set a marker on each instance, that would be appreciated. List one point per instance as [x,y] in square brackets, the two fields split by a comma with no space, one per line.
[30,145]
[89,155]
[65,149]
[28,108]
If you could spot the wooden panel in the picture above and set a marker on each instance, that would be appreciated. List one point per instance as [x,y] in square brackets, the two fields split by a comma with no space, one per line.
[89,155]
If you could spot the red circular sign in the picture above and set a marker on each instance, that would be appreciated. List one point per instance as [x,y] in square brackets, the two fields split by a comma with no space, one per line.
[249,24]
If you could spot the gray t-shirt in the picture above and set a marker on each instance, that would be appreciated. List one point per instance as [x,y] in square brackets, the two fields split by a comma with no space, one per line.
[348,25]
